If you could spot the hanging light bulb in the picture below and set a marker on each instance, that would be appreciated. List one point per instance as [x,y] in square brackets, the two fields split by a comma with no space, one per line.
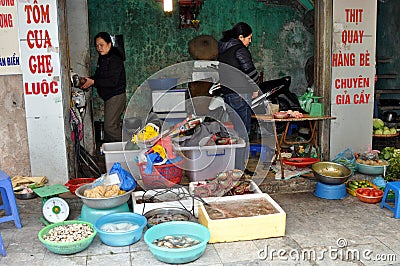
[168,5]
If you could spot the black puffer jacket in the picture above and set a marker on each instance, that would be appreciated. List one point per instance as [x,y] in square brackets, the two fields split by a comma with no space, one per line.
[234,53]
[110,78]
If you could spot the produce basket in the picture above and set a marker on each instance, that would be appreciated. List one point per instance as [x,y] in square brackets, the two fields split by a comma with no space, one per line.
[385,135]
[381,141]
[66,247]
[351,189]
[162,176]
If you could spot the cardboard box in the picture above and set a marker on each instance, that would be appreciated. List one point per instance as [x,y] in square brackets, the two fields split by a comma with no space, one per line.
[244,228]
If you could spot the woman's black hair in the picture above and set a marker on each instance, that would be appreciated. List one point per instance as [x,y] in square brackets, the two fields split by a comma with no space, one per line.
[118,49]
[240,28]
[104,35]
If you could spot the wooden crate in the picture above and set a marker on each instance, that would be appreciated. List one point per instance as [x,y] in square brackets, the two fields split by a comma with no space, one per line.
[244,228]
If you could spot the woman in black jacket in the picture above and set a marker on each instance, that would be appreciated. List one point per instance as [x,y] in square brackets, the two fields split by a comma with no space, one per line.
[110,82]
[233,51]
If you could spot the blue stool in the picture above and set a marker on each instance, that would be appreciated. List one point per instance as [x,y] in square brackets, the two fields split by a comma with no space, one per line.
[395,187]
[8,201]
[292,126]
[262,150]
[2,249]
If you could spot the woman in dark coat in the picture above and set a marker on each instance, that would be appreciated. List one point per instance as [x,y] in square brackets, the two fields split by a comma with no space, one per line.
[234,52]
[110,82]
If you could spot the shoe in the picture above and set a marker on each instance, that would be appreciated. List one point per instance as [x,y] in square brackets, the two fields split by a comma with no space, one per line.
[248,172]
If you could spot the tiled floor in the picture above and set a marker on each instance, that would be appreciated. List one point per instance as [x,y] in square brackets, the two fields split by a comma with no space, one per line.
[318,232]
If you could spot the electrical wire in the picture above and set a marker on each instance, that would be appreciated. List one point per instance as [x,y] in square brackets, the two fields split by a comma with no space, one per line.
[179,192]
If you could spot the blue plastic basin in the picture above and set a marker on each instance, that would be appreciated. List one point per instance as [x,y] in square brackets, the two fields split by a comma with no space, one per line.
[177,255]
[119,239]
[332,192]
[370,169]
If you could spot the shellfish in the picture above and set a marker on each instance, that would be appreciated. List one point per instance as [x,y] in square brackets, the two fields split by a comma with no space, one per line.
[183,241]
[68,233]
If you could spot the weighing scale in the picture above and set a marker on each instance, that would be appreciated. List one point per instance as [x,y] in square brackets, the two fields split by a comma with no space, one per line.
[54,209]
[316,108]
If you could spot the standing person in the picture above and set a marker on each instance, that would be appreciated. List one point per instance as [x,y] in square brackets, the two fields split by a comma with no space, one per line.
[110,81]
[233,50]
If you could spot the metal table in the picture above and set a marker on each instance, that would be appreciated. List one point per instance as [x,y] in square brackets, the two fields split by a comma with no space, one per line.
[312,120]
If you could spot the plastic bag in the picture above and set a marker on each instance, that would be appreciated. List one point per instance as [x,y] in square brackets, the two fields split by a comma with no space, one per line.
[306,100]
[346,158]
[127,181]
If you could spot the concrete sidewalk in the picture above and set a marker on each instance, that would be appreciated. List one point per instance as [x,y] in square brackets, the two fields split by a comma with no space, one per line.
[318,232]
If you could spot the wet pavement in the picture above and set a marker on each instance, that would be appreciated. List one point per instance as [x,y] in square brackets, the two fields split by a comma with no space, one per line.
[318,232]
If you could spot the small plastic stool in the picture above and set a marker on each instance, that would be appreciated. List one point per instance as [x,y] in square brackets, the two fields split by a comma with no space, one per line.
[292,127]
[258,148]
[2,249]
[395,187]
[8,201]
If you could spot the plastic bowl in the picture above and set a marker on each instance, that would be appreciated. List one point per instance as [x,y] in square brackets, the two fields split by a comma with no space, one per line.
[102,203]
[119,239]
[177,255]
[368,199]
[371,169]
[74,184]
[300,162]
[66,247]
[162,83]
[281,115]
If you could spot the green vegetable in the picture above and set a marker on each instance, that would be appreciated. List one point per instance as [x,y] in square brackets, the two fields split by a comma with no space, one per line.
[387,153]
[352,186]
[378,123]
[393,170]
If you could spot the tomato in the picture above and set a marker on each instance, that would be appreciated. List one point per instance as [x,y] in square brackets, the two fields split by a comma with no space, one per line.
[360,190]
[366,192]
[375,193]
[380,192]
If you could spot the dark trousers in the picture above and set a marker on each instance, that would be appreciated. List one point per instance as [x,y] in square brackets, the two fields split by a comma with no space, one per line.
[239,110]
[113,109]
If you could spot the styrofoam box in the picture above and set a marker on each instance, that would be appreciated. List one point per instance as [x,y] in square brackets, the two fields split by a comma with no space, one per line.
[253,186]
[115,152]
[166,198]
[206,162]
[172,198]
[254,227]
[169,101]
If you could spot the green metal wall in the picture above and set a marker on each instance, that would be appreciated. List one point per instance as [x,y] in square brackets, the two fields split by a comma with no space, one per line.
[281,44]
